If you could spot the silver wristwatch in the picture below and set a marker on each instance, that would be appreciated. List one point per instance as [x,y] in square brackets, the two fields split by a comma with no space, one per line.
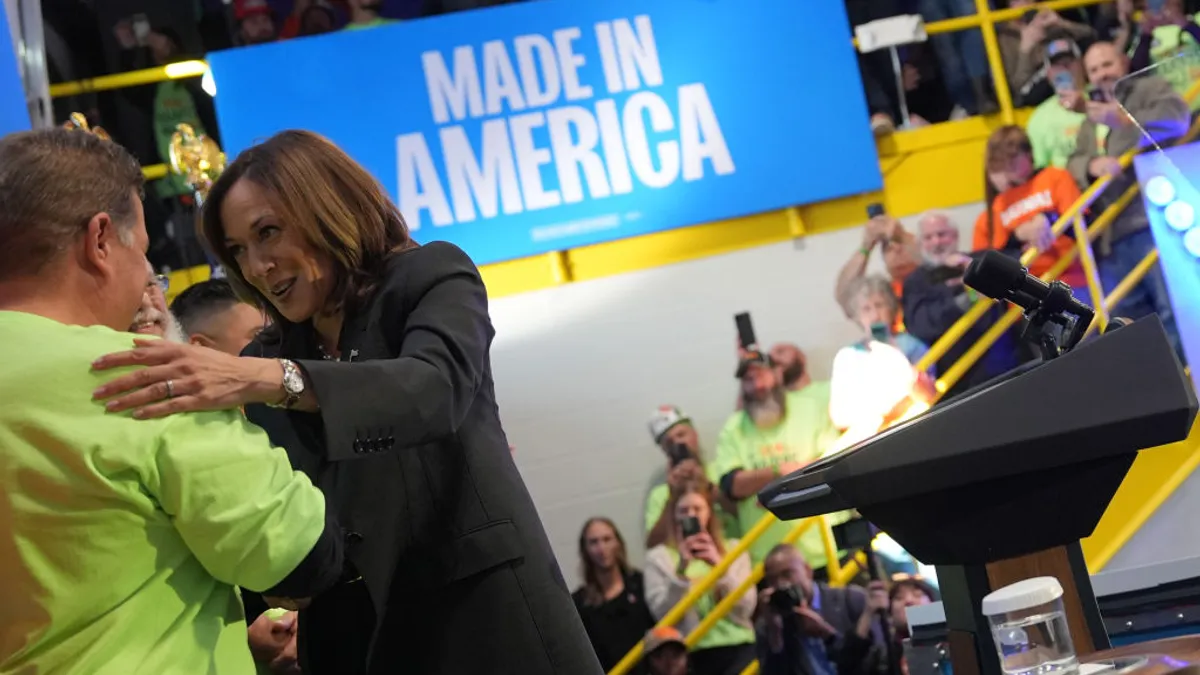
[293,384]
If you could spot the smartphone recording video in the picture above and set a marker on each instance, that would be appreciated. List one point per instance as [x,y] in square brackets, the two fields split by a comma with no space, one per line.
[689,526]
[677,453]
[745,331]
[1063,81]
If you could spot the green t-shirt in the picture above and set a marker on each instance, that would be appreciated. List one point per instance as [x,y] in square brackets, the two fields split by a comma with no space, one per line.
[122,541]
[801,437]
[1053,131]
[657,500]
[724,633]
[173,105]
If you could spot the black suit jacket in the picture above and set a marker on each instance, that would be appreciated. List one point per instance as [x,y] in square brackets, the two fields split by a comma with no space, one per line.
[931,307]
[457,573]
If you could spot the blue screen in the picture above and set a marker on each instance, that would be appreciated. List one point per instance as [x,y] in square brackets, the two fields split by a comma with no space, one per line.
[14,116]
[541,126]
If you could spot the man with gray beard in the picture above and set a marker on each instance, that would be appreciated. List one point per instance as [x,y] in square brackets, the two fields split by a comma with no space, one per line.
[935,298]
[777,432]
[153,317]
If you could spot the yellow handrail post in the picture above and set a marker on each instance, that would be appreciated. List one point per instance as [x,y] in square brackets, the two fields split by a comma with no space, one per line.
[1133,279]
[995,62]
[698,590]
[856,564]
[727,603]
[1088,261]
[833,566]
[751,669]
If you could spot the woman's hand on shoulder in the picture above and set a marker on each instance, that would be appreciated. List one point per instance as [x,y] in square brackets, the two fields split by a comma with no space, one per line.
[186,378]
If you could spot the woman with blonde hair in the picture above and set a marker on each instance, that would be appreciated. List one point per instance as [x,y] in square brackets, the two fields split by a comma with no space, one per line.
[376,377]
[694,548]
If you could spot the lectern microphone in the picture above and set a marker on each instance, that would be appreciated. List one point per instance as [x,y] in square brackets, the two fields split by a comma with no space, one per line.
[1002,278]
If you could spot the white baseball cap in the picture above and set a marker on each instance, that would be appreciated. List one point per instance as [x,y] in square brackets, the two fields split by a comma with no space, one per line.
[664,419]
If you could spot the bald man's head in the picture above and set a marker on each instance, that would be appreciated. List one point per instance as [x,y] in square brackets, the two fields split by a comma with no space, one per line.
[1105,65]
[939,237]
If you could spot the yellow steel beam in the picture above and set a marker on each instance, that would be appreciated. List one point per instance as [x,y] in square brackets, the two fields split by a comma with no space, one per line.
[1154,476]
[908,159]
[134,78]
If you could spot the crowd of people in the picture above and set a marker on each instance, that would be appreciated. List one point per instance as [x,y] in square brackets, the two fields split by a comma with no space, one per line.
[1073,67]
[1089,111]
[948,77]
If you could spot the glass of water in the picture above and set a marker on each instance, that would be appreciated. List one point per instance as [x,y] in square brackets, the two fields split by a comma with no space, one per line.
[1029,627]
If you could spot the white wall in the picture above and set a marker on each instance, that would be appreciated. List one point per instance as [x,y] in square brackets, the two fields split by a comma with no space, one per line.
[580,368]
[1169,534]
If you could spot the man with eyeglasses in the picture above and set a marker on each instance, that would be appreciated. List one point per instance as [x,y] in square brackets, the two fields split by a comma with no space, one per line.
[153,317]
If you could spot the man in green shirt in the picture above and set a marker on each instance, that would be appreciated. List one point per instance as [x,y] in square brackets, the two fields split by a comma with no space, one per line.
[121,540]
[777,432]
[1055,123]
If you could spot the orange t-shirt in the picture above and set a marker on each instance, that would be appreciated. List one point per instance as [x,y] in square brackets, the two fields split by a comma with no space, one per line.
[1051,191]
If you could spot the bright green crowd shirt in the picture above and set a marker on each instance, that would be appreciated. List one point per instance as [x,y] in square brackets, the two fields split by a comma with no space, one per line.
[801,436]
[122,541]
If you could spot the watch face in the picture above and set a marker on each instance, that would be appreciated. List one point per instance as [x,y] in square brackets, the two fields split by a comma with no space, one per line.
[292,380]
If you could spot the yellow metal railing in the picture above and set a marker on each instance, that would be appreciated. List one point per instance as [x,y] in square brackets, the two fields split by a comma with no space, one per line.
[1070,218]
[703,586]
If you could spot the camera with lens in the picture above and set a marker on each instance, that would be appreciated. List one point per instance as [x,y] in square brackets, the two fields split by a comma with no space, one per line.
[786,599]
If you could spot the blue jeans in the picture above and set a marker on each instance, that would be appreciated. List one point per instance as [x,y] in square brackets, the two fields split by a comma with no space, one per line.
[960,54]
[1148,297]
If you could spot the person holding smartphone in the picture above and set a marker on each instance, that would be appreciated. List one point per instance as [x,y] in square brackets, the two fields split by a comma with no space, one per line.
[695,547]
[1055,123]
[676,436]
[1023,46]
[874,380]
[1137,110]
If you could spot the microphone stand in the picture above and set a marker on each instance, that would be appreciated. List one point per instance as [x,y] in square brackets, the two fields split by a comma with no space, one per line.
[1053,311]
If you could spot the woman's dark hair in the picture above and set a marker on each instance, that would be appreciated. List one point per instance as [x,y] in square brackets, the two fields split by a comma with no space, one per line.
[341,210]
[1003,146]
[593,593]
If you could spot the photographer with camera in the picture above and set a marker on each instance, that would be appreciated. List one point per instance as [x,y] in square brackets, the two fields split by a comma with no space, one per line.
[674,433]
[808,628]
[694,548]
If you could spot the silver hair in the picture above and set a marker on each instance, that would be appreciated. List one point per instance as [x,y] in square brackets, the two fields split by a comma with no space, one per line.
[865,287]
[935,214]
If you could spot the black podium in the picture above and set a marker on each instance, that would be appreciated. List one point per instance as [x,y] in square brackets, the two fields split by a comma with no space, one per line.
[1002,482]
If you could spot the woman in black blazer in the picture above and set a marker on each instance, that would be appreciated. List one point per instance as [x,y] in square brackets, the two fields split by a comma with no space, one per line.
[376,378]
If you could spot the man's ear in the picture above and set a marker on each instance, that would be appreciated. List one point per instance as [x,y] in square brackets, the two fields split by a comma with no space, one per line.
[99,241]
